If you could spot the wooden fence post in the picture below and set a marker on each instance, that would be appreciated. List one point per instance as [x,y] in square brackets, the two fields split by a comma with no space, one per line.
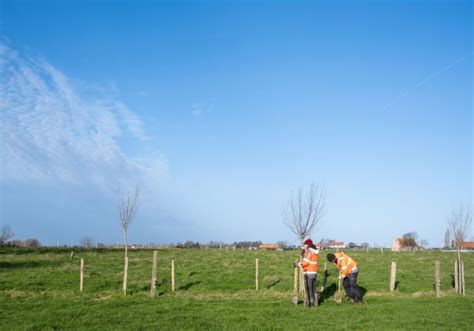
[295,284]
[81,280]
[153,275]
[173,282]
[71,258]
[301,279]
[256,274]
[381,250]
[367,249]
[456,276]
[437,279]
[393,276]
[325,277]
[125,276]
[462,278]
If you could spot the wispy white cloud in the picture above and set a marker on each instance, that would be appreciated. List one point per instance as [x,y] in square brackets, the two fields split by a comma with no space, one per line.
[53,131]
[198,109]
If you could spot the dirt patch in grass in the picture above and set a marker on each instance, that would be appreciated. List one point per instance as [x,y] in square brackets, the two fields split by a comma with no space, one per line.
[104,297]
[216,295]
[20,294]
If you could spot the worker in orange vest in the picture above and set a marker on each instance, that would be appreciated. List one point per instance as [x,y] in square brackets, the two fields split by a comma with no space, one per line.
[309,264]
[348,272]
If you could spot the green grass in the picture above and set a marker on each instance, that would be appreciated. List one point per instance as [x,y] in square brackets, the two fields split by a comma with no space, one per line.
[39,289]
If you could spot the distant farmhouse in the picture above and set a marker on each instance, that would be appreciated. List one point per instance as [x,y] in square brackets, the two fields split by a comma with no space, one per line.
[397,245]
[331,245]
[467,245]
[336,245]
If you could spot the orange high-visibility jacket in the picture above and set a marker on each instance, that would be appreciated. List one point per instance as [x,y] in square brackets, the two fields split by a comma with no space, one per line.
[345,264]
[309,263]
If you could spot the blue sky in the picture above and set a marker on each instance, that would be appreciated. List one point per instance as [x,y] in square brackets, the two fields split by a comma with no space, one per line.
[220,110]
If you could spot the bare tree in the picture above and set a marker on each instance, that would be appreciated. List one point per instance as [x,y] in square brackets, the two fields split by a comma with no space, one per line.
[304,211]
[459,224]
[424,243]
[127,208]
[447,238]
[86,241]
[6,233]
[32,243]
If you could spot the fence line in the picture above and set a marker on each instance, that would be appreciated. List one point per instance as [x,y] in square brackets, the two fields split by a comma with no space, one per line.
[459,277]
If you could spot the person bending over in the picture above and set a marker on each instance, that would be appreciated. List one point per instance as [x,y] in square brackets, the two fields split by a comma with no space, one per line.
[348,272]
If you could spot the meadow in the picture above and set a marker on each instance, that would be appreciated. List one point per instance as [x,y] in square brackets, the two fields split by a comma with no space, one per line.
[215,290]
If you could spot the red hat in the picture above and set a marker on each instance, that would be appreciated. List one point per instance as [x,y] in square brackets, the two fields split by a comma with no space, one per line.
[308,242]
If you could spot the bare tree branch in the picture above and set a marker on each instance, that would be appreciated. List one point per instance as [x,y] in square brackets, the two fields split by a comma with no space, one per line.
[6,233]
[303,212]
[447,238]
[86,241]
[460,223]
[127,208]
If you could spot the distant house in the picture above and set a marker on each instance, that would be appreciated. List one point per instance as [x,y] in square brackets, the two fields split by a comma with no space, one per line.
[269,247]
[467,245]
[397,245]
[336,245]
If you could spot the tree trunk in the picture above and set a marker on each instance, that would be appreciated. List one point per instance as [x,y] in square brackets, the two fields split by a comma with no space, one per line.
[302,289]
[125,277]
[437,279]
[126,243]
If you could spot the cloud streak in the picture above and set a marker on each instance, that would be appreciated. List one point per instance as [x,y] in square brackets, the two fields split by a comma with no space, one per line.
[198,109]
[54,132]
[423,81]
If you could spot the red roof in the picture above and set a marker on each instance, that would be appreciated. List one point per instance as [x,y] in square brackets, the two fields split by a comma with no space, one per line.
[467,244]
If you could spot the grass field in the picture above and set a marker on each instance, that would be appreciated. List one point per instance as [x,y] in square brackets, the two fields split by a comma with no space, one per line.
[215,290]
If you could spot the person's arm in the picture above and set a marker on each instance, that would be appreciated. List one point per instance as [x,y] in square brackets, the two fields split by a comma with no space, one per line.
[339,266]
[344,270]
[305,262]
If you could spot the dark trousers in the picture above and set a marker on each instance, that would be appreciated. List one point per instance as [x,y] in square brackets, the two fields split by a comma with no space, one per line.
[310,287]
[351,287]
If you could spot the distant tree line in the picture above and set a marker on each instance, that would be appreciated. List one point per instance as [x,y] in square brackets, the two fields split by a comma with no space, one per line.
[246,244]
[6,235]
[354,245]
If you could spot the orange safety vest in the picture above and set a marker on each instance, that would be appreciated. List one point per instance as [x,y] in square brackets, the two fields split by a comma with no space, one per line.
[345,264]
[309,263]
